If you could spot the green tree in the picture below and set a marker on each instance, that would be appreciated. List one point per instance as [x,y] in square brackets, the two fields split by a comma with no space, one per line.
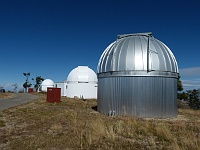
[179,84]
[26,85]
[183,96]
[194,98]
[38,81]
[180,88]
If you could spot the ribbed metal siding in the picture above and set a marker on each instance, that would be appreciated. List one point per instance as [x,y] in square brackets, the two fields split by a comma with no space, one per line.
[138,96]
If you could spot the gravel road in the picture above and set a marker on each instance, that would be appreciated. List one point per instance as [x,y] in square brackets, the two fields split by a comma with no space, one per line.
[19,98]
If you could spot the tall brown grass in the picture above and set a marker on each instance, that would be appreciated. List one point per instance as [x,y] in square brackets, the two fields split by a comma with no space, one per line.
[73,124]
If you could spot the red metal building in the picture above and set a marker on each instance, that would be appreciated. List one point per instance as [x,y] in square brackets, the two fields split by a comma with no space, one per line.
[53,95]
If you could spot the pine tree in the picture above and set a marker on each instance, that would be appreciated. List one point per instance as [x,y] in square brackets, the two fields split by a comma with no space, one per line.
[179,84]
[194,98]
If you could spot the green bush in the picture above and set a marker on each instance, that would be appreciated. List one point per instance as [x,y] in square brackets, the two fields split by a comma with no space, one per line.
[194,98]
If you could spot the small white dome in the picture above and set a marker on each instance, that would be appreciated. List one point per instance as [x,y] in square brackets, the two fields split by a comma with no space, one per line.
[82,82]
[46,83]
[82,74]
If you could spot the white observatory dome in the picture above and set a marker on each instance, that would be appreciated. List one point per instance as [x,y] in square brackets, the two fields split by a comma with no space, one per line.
[46,83]
[82,74]
[82,82]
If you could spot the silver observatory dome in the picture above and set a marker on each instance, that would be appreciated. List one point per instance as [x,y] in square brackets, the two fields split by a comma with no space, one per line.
[138,54]
[137,76]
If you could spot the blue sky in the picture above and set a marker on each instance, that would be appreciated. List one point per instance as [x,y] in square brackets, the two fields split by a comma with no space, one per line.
[51,37]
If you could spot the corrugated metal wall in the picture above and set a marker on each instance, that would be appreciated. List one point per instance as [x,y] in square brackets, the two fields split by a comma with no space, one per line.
[138,96]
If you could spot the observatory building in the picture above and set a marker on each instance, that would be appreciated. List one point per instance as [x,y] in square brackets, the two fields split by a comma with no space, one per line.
[46,83]
[63,86]
[137,76]
[82,83]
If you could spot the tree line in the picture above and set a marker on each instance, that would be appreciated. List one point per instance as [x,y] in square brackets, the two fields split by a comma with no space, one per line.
[192,97]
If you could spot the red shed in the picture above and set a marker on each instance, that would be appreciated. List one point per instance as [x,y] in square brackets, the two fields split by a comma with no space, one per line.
[30,90]
[53,95]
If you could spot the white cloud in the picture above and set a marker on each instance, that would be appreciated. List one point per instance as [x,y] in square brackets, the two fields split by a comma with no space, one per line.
[190,72]
[190,77]
[191,84]
[10,87]
[7,84]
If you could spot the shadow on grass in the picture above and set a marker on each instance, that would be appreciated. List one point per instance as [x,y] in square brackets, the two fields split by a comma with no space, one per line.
[94,108]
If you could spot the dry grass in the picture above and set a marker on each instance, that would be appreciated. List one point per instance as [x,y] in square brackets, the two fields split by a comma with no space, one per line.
[73,124]
[6,95]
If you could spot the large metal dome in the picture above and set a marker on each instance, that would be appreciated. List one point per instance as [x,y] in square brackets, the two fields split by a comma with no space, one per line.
[139,54]
[137,76]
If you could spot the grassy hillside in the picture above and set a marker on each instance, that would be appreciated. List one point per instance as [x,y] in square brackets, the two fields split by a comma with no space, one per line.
[75,124]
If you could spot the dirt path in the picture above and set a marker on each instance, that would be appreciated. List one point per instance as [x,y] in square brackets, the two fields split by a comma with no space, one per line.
[19,98]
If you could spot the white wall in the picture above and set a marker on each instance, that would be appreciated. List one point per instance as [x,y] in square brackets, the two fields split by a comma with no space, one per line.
[87,90]
[62,85]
